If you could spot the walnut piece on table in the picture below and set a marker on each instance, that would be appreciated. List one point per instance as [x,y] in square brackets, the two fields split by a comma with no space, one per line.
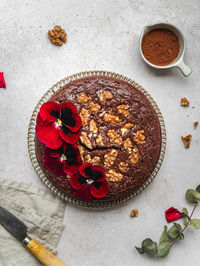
[134,213]
[195,124]
[185,102]
[186,140]
[58,36]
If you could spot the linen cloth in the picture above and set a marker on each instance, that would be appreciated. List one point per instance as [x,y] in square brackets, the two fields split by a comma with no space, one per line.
[40,210]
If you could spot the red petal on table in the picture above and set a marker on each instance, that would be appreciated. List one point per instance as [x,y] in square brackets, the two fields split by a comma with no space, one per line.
[173,214]
[2,81]
[101,191]
[48,134]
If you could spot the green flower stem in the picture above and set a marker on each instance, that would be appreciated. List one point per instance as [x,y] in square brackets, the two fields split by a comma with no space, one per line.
[189,218]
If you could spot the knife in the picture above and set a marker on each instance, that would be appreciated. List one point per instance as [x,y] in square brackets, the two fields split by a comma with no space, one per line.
[19,230]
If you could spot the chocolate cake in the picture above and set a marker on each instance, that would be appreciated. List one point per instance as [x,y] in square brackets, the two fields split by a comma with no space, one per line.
[120,132]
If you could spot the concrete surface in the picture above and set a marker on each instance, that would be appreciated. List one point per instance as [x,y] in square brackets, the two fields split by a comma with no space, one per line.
[103,35]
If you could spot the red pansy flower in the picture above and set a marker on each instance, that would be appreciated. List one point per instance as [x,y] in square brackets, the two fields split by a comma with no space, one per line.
[65,160]
[90,183]
[2,81]
[57,123]
[173,214]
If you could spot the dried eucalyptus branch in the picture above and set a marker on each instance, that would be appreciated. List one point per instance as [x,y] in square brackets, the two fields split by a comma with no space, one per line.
[175,232]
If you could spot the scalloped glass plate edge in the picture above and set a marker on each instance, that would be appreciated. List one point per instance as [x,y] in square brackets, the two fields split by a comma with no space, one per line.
[31,143]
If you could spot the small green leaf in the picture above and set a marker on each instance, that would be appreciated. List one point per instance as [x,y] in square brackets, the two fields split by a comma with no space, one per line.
[173,232]
[140,250]
[195,223]
[149,246]
[185,211]
[178,226]
[185,221]
[198,188]
[192,196]
[164,248]
[164,236]
[181,236]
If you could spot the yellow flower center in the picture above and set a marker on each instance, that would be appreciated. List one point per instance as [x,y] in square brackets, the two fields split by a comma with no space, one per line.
[59,122]
[89,181]
[63,157]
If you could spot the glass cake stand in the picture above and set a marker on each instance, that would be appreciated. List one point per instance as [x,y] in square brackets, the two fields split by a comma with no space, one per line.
[31,142]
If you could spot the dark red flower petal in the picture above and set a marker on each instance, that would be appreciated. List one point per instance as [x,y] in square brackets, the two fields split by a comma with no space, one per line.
[75,181]
[68,106]
[50,111]
[78,123]
[101,190]
[101,171]
[70,137]
[75,122]
[39,119]
[83,193]
[83,167]
[173,214]
[52,162]
[48,134]
[49,153]
[71,169]
[2,81]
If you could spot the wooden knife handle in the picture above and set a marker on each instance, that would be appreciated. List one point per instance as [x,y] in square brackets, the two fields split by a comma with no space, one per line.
[43,254]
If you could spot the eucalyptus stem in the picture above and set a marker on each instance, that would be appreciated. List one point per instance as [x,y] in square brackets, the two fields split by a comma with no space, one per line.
[175,232]
[189,218]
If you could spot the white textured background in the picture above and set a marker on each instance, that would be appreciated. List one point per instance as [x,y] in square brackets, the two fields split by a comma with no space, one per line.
[103,35]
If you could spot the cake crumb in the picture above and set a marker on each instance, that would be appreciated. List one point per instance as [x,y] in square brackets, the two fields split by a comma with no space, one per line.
[134,213]
[195,124]
[185,102]
[186,140]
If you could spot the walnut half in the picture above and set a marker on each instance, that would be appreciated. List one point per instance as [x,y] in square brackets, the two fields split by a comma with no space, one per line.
[110,157]
[113,176]
[140,137]
[123,109]
[123,167]
[114,137]
[85,140]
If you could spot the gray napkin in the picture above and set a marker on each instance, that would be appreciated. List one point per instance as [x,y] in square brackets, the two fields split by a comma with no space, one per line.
[41,211]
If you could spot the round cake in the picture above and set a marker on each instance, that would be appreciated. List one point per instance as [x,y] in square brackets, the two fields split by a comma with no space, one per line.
[120,133]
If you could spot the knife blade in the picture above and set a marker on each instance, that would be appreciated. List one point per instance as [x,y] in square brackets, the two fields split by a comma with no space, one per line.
[19,230]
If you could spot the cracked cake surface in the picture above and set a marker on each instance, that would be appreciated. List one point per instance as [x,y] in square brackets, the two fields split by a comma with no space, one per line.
[120,132]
